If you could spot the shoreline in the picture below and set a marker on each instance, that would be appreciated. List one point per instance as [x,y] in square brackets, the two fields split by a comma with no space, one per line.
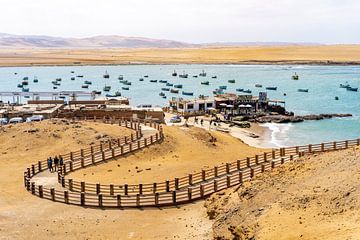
[245,63]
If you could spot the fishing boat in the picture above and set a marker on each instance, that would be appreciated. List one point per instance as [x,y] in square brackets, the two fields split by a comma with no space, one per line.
[72,78]
[161,94]
[195,76]
[54,87]
[121,77]
[25,82]
[202,74]
[141,79]
[25,89]
[80,76]
[127,83]
[25,78]
[96,92]
[35,80]
[26,96]
[223,87]
[303,90]
[271,88]
[87,82]
[85,86]
[178,86]
[174,74]
[184,75]
[295,77]
[125,88]
[146,76]
[258,85]
[205,83]
[174,91]
[346,85]
[239,89]
[163,81]
[122,81]
[187,93]
[247,91]
[153,81]
[165,89]
[62,97]
[58,79]
[231,81]
[106,88]
[19,85]
[214,77]
[169,84]
[352,89]
[106,75]
[72,71]
[336,98]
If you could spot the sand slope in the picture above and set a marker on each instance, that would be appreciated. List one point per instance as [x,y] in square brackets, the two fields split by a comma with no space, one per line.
[313,198]
[332,54]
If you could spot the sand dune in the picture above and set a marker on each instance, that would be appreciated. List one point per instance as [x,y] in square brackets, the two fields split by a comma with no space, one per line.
[333,54]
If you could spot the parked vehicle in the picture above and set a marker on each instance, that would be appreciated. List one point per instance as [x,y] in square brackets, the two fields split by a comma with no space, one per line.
[3,121]
[175,119]
[16,120]
[35,118]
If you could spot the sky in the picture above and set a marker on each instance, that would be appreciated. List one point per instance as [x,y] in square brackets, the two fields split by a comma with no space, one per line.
[193,21]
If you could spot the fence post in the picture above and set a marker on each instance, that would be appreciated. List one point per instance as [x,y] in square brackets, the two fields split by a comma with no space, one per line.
[203,175]
[101,147]
[297,149]
[98,188]
[167,183]
[265,157]
[33,188]
[154,187]
[248,162]
[346,144]
[215,171]
[41,194]
[240,177]
[52,193]
[137,200]
[92,158]
[126,191]
[256,159]
[228,181]
[322,147]
[176,183]
[39,166]
[273,153]
[334,145]
[118,142]
[82,162]
[189,194]
[70,182]
[71,156]
[190,179]
[100,200]
[201,191]
[227,168]
[82,186]
[156,199]
[62,181]
[238,165]
[33,169]
[310,148]
[215,185]
[82,199]
[174,197]
[66,197]
[118,200]
[111,189]
[71,166]
[140,189]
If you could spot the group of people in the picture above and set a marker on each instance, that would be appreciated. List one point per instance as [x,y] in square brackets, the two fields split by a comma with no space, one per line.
[53,164]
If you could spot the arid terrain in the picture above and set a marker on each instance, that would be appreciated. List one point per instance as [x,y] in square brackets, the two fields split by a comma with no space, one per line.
[312,198]
[293,54]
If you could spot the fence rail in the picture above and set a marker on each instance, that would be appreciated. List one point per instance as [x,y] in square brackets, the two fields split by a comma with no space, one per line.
[170,192]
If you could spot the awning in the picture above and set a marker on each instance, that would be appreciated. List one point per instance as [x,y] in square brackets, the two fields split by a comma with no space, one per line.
[229,106]
[248,106]
[223,104]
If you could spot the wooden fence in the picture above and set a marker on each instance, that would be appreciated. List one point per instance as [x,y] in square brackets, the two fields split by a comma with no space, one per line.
[171,192]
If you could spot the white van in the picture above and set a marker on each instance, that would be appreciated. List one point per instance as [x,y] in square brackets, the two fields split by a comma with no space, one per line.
[16,120]
[35,118]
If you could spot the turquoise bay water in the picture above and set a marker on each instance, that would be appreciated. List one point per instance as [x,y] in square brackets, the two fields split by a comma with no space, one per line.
[322,82]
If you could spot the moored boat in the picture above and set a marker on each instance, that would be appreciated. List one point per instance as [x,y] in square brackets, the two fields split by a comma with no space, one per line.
[231,81]
[106,75]
[106,88]
[183,75]
[352,89]
[162,81]
[178,86]
[19,85]
[187,93]
[72,78]
[271,88]
[205,83]
[174,74]
[239,89]
[121,77]
[303,90]
[161,94]
[25,89]
[80,76]
[96,92]
[214,77]
[125,88]
[153,81]
[258,85]
[141,79]
[346,85]
[295,77]
[87,82]
[35,80]
[202,74]
[25,82]
[247,91]
[165,89]
[169,84]
[84,86]
[223,87]
[218,91]
[174,91]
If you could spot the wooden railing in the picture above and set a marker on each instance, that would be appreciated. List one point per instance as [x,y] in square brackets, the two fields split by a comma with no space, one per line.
[179,190]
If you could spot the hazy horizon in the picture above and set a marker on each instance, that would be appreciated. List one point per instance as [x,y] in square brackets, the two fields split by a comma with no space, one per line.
[319,21]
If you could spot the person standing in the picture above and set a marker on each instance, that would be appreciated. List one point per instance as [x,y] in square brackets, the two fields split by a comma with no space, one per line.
[56,163]
[61,160]
[50,163]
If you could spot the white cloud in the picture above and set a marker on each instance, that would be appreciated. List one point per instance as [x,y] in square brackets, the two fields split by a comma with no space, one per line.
[187,20]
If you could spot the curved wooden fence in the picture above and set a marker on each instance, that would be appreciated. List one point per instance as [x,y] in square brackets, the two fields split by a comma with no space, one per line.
[170,192]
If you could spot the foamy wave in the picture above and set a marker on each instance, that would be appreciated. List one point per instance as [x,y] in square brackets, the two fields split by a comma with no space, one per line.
[279,133]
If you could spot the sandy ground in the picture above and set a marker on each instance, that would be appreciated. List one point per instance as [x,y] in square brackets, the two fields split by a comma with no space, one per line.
[313,198]
[332,54]
[23,216]
[185,150]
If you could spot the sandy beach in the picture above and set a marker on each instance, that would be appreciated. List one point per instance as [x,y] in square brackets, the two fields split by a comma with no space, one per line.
[293,54]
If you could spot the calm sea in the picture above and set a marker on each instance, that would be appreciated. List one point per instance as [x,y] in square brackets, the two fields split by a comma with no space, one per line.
[322,82]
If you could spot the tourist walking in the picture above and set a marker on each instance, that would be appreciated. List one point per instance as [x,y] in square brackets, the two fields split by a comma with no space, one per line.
[50,162]
[56,163]
[202,122]
[61,160]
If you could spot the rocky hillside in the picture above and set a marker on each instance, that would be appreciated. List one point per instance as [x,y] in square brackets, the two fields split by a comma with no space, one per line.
[313,198]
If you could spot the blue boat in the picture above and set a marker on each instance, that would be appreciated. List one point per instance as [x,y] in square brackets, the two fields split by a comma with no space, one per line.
[223,87]
[187,93]
[165,89]
[247,91]
[163,81]
[169,84]
[25,90]
[218,91]
[239,89]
